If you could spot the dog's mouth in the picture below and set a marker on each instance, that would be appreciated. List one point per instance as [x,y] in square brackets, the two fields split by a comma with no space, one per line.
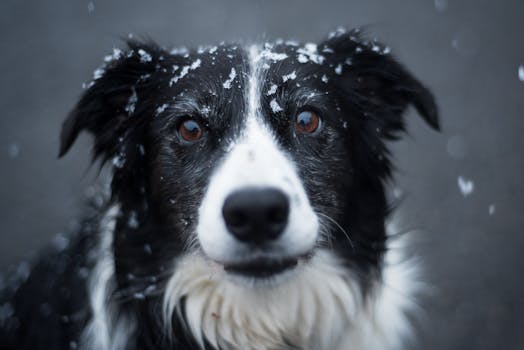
[262,267]
[265,267]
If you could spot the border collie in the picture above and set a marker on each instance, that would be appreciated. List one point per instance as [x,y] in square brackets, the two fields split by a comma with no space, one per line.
[247,206]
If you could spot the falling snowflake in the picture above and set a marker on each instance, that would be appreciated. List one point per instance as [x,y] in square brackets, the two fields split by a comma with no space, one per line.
[466,186]
[13,150]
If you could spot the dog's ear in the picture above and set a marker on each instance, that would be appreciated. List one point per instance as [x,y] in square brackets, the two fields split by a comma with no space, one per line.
[109,107]
[375,83]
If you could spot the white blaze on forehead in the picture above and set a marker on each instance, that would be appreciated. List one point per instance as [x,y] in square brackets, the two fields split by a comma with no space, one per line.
[253,96]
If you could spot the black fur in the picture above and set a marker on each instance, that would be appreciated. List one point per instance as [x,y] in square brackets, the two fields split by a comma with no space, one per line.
[159,181]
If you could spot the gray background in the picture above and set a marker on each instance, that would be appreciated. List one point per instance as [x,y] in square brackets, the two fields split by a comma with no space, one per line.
[467,51]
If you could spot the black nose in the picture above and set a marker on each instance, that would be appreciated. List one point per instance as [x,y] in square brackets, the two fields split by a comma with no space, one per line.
[256,215]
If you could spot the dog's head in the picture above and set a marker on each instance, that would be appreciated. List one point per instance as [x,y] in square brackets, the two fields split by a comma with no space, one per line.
[252,158]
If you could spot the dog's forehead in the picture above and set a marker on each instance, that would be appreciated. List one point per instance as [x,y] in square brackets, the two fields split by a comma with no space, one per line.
[234,69]
[212,65]
[270,56]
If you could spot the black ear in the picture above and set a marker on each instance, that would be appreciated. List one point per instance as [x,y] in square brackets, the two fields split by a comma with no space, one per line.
[379,85]
[109,106]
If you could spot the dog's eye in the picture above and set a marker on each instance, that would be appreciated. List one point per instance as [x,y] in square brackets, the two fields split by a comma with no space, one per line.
[307,122]
[190,130]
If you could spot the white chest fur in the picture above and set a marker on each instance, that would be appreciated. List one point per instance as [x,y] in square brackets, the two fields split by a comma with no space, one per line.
[321,308]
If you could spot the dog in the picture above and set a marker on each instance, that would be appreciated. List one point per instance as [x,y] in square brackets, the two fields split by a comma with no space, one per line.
[247,206]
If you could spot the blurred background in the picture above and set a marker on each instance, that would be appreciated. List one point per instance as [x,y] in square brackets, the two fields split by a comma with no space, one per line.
[462,188]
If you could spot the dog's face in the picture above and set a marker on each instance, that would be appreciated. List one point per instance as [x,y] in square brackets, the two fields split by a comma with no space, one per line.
[229,142]
[252,158]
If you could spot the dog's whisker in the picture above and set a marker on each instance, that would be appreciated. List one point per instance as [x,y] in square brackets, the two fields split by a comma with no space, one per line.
[340,228]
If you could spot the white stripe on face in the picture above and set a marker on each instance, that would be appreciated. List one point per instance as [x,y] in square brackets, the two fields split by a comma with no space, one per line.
[255,160]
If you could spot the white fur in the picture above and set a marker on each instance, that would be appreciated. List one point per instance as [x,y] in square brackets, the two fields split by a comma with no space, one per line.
[384,324]
[255,160]
[107,329]
[320,308]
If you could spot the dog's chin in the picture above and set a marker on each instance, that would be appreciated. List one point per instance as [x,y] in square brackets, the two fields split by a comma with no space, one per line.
[264,271]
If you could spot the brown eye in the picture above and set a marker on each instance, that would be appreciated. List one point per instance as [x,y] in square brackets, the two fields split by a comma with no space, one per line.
[307,122]
[190,130]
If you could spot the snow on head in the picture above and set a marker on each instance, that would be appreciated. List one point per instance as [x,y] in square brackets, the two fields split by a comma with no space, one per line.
[267,54]
[290,76]
[131,103]
[337,33]
[195,64]
[232,76]
[273,56]
[161,109]
[182,74]
[184,71]
[272,90]
[144,56]
[377,48]
[115,55]
[275,107]
[119,160]
[98,73]
[309,53]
